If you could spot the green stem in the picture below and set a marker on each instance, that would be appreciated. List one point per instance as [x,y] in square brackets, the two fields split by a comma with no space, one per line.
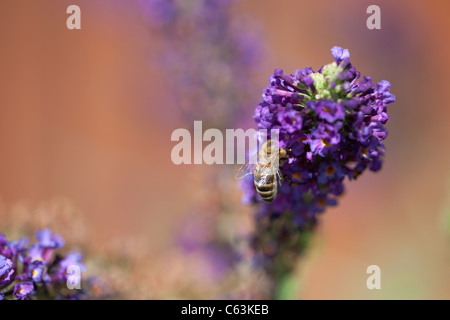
[286,288]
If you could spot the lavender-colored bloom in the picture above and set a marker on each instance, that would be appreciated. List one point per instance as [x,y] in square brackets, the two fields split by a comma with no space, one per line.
[363,86]
[16,247]
[71,259]
[340,54]
[6,270]
[36,253]
[23,289]
[289,121]
[299,175]
[329,133]
[47,239]
[325,138]
[327,109]
[47,243]
[6,277]
[5,264]
[303,76]
[382,92]
[296,143]
[329,172]
[36,271]
[318,147]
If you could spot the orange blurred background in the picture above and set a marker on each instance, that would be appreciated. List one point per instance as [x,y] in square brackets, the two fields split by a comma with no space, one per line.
[83,116]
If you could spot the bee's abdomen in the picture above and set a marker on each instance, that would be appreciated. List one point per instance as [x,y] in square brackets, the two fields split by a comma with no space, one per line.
[267,191]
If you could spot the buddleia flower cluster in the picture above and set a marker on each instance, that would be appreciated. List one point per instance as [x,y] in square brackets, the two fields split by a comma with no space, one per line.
[332,124]
[37,271]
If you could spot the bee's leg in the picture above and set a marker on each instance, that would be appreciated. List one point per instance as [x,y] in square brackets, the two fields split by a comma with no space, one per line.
[280,177]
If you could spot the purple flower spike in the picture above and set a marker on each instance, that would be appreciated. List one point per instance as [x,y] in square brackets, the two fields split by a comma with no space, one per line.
[333,129]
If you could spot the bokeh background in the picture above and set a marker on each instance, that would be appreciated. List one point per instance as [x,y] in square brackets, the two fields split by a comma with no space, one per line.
[86,118]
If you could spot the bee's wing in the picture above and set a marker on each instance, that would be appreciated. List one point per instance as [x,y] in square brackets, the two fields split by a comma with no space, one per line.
[247,168]
[266,175]
[275,161]
[269,173]
[275,158]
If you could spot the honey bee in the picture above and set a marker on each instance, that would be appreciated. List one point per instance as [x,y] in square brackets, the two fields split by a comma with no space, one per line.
[265,171]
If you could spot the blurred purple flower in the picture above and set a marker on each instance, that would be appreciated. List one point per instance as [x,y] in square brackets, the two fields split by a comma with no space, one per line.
[3,240]
[210,56]
[71,259]
[24,267]
[160,12]
[197,236]
[48,240]
[23,289]
[36,271]
[5,270]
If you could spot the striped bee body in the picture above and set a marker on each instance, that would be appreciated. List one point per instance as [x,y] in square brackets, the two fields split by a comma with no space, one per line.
[265,182]
[266,171]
